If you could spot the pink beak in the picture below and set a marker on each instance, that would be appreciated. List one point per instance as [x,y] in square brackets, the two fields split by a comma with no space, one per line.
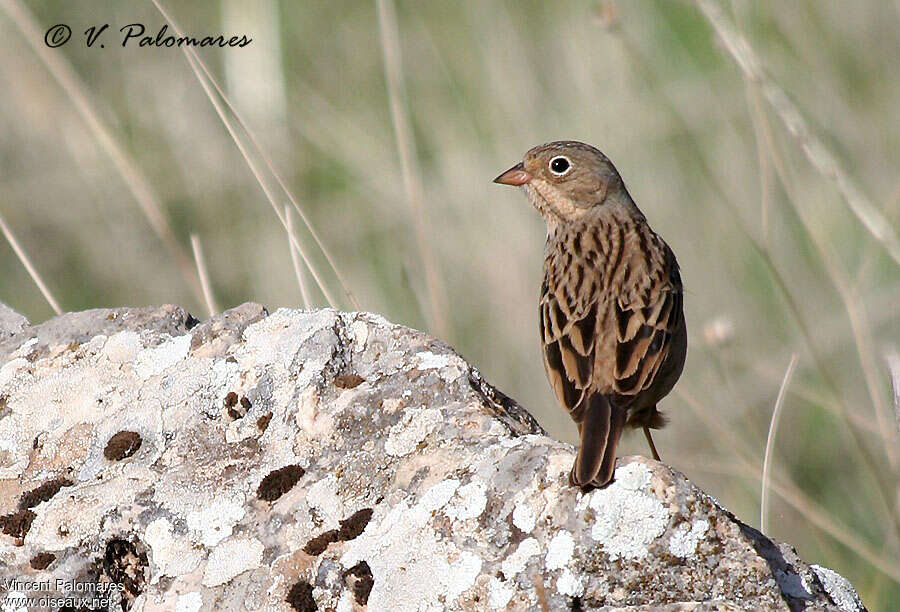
[515,176]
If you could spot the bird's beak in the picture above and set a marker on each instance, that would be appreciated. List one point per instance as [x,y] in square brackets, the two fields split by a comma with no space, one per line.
[515,176]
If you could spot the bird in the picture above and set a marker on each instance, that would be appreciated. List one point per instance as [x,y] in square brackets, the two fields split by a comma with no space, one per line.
[612,322]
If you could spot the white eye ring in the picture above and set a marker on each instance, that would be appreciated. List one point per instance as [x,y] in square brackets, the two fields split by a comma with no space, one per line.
[560,161]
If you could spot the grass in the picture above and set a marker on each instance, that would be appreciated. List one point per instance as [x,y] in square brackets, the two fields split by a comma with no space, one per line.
[770,444]
[759,138]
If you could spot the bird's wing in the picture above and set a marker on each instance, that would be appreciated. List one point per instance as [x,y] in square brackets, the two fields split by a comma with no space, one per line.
[568,335]
[647,315]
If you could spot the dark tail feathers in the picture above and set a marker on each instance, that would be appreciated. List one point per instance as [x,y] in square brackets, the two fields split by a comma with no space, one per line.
[600,432]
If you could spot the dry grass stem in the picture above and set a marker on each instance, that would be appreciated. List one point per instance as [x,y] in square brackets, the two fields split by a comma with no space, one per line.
[809,393]
[20,253]
[132,176]
[266,160]
[298,271]
[256,173]
[869,257]
[406,148]
[250,163]
[763,135]
[855,315]
[211,307]
[770,445]
[893,362]
[815,150]
[755,78]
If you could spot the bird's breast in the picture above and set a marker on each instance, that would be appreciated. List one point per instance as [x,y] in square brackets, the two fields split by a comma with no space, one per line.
[582,264]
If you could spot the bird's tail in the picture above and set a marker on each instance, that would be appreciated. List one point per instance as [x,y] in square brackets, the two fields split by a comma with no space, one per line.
[601,429]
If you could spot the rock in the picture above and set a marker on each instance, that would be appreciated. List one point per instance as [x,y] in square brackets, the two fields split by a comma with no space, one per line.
[327,460]
[11,322]
[77,327]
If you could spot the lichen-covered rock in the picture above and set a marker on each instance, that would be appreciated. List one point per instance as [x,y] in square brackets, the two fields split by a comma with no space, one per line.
[331,461]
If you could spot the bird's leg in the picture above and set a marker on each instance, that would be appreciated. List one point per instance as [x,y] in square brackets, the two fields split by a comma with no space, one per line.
[650,442]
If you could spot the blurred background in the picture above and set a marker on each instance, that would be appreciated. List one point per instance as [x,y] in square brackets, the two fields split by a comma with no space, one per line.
[760,139]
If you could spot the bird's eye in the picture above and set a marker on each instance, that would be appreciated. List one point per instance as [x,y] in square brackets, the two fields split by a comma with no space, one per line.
[560,165]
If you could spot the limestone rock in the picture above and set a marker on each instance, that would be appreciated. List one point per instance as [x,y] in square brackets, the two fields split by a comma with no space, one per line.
[327,460]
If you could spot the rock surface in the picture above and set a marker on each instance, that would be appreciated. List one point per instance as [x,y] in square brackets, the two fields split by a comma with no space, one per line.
[331,461]
[11,322]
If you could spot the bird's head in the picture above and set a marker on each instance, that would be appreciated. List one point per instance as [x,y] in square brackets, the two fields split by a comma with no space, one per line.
[566,180]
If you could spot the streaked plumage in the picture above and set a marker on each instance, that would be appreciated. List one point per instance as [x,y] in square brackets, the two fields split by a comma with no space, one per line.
[612,325]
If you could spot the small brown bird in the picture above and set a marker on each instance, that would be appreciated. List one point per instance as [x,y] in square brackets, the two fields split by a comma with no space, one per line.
[612,325]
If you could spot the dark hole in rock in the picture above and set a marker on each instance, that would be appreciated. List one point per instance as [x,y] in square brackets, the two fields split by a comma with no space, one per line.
[42,560]
[363,583]
[263,421]
[318,544]
[231,406]
[191,322]
[348,380]
[17,524]
[575,605]
[300,597]
[122,564]
[43,493]
[355,525]
[350,529]
[279,482]
[236,411]
[122,445]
